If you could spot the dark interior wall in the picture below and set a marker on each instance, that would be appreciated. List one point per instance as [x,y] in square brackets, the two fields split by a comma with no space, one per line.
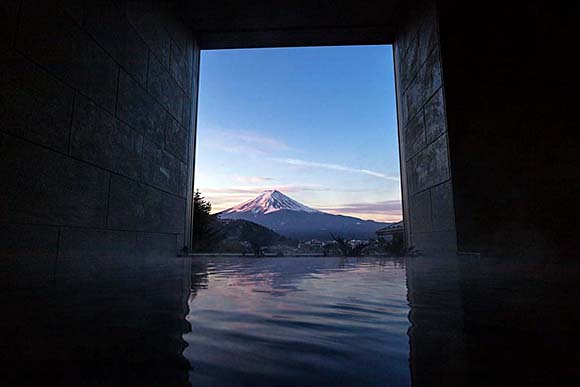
[95,125]
[423,139]
[511,85]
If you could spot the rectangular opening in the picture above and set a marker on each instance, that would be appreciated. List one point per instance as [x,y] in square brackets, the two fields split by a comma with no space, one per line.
[297,152]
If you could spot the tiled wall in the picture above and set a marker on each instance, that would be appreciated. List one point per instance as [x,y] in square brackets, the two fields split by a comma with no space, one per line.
[425,165]
[95,125]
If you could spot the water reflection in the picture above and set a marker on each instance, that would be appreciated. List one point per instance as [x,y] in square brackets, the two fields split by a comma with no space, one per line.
[298,321]
[295,321]
[450,321]
[104,321]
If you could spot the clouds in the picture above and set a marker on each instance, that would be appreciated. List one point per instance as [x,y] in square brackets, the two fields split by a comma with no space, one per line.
[252,179]
[386,206]
[257,189]
[387,210]
[335,167]
[254,144]
[242,141]
[258,163]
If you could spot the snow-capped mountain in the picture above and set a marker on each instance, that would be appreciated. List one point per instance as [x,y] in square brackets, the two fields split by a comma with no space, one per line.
[290,218]
[267,202]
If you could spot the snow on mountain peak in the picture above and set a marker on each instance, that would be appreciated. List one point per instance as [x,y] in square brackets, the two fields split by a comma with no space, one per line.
[269,201]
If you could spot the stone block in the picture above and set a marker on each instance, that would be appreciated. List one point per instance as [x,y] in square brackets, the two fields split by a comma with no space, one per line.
[27,255]
[107,22]
[414,137]
[420,212]
[179,32]
[435,123]
[424,85]
[155,245]
[81,243]
[41,186]
[100,257]
[180,242]
[92,131]
[176,138]
[427,29]
[138,109]
[51,37]
[406,30]
[443,213]
[8,18]
[144,18]
[165,89]
[163,170]
[186,113]
[99,138]
[34,105]
[401,44]
[402,113]
[435,242]
[127,148]
[422,41]
[429,167]
[75,9]
[181,64]
[136,206]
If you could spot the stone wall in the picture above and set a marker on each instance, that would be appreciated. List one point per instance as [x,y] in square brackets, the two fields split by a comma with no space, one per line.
[424,150]
[95,132]
[95,126]
[513,127]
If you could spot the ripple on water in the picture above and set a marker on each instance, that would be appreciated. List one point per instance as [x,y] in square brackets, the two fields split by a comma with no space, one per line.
[298,321]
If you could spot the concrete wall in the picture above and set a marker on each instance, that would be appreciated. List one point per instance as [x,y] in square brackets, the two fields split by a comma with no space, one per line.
[95,126]
[425,163]
[488,130]
[511,95]
[95,129]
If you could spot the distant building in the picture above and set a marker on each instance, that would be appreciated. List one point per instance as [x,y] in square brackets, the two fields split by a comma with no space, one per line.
[391,230]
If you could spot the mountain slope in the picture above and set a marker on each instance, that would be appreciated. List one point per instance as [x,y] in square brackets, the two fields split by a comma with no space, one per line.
[292,219]
[242,230]
[238,236]
[267,202]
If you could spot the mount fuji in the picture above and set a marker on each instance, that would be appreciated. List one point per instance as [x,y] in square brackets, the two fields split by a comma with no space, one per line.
[292,219]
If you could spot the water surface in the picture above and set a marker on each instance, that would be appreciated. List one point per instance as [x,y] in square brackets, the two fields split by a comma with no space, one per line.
[298,321]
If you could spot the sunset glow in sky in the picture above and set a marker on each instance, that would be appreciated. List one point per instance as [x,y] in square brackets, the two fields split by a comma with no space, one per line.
[318,124]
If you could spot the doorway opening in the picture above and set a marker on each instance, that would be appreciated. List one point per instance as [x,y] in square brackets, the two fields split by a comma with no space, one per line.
[297,152]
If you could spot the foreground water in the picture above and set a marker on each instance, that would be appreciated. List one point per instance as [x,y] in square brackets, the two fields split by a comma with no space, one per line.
[423,321]
[298,321]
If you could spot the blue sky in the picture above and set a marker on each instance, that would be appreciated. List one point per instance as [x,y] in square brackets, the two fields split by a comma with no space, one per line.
[318,124]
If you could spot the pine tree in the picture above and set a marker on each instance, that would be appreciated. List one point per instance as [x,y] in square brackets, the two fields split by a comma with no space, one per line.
[205,234]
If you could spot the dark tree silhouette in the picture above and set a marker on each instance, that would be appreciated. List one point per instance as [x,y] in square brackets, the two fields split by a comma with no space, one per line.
[348,250]
[395,247]
[205,233]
